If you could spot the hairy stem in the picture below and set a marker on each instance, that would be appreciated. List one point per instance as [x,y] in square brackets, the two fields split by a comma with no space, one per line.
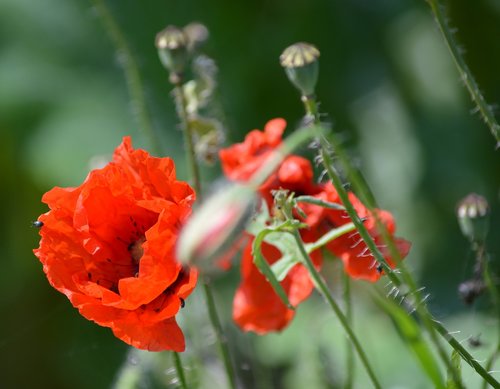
[194,170]
[465,73]
[179,370]
[419,305]
[322,288]
[348,313]
[131,71]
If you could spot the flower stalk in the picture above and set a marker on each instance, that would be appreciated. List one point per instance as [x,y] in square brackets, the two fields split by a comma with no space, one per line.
[322,288]
[350,363]
[428,321]
[179,370]
[468,79]
[195,176]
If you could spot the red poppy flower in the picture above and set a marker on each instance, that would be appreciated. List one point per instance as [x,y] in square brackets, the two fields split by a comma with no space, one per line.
[108,245]
[241,160]
[256,306]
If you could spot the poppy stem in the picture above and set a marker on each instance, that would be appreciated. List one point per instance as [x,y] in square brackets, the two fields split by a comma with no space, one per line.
[195,176]
[179,370]
[482,258]
[350,363]
[322,288]
[131,71]
[311,109]
[222,340]
[432,326]
[194,171]
[470,83]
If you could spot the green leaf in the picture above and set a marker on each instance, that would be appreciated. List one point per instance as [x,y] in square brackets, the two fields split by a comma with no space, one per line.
[281,267]
[410,332]
[451,382]
[265,269]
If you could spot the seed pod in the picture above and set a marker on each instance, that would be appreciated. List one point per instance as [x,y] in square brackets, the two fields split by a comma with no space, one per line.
[473,217]
[300,61]
[172,50]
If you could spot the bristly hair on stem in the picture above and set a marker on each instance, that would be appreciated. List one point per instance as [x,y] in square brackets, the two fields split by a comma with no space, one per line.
[468,79]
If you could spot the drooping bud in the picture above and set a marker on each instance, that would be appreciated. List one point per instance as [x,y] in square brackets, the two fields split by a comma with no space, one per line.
[197,34]
[470,290]
[300,61]
[473,214]
[172,50]
[215,226]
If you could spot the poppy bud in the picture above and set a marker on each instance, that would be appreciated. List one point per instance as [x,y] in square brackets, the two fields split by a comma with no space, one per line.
[215,226]
[172,49]
[470,290]
[196,34]
[472,213]
[300,61]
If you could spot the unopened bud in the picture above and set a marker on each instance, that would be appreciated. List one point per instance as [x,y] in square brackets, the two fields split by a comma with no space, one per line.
[300,61]
[470,290]
[215,226]
[196,34]
[172,49]
[473,214]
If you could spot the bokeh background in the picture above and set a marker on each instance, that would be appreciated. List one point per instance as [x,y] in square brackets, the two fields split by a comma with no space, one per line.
[393,94]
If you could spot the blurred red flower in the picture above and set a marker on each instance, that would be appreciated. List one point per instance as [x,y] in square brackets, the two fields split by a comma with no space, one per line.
[256,306]
[108,245]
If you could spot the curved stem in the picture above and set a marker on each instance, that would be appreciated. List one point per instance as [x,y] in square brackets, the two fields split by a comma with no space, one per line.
[465,73]
[195,176]
[322,288]
[179,369]
[420,307]
[431,325]
[131,71]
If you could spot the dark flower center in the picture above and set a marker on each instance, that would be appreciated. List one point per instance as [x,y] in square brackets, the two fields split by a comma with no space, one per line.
[136,251]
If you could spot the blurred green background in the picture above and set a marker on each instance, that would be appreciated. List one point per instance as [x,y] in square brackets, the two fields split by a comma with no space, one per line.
[393,94]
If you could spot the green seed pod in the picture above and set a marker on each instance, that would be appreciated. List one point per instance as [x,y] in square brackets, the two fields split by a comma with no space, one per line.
[473,217]
[301,64]
[172,50]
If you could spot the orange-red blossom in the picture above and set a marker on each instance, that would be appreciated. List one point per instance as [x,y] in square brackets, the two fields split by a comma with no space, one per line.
[256,306]
[108,245]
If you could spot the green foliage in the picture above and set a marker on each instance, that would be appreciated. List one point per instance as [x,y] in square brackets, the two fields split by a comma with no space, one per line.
[410,333]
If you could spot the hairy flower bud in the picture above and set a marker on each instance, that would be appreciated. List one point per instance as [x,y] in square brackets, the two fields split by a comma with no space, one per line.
[473,214]
[172,50]
[216,225]
[300,61]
